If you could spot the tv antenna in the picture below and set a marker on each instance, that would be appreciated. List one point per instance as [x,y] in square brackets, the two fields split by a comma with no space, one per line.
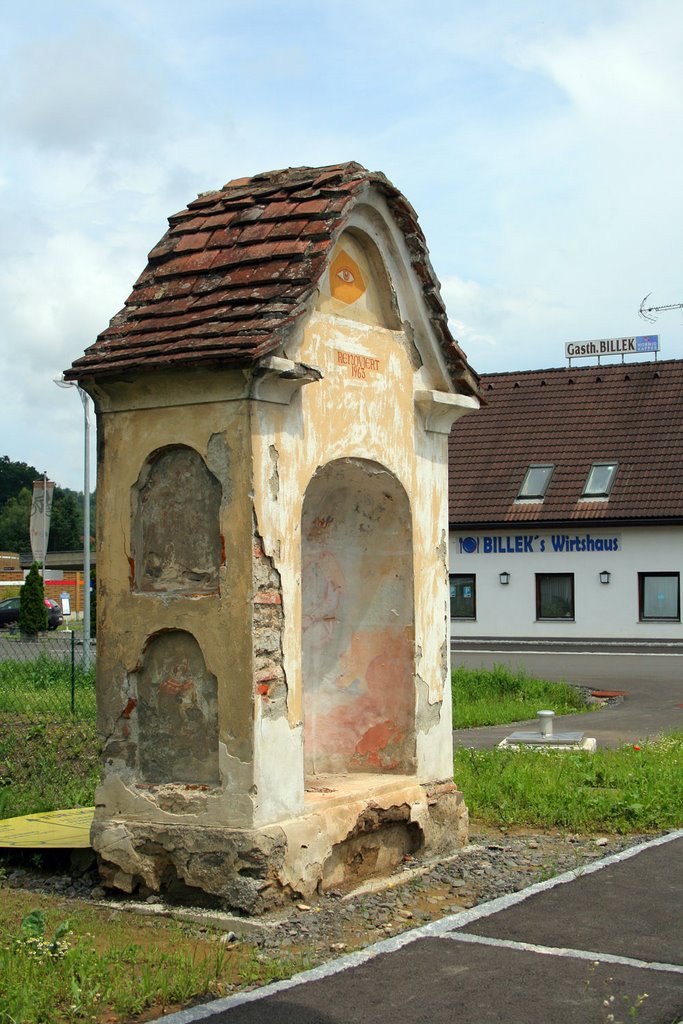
[649,313]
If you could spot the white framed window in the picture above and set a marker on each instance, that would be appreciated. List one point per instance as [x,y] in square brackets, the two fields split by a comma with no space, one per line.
[600,480]
[659,596]
[554,595]
[536,481]
[463,595]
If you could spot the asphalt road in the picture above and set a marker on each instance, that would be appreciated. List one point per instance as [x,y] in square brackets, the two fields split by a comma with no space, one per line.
[652,671]
[653,683]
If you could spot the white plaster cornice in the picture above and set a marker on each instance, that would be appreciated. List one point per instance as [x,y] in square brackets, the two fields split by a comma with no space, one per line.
[440,410]
[277,379]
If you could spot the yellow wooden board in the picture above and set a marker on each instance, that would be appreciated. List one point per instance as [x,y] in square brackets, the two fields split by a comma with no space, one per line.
[49,830]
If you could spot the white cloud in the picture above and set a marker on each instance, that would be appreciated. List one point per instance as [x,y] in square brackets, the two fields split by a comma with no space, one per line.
[538,142]
[492,325]
[71,90]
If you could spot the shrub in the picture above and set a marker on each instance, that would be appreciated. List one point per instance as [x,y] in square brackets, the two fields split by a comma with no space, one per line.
[32,610]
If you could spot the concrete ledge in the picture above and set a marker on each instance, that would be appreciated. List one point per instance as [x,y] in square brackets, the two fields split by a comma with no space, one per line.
[587,743]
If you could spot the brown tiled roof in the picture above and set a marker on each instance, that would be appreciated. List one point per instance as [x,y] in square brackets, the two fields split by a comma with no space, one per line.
[631,413]
[236,269]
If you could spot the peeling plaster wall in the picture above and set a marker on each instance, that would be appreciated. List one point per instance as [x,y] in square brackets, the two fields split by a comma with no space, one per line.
[372,417]
[178,713]
[176,532]
[242,710]
[357,637]
[205,413]
[254,453]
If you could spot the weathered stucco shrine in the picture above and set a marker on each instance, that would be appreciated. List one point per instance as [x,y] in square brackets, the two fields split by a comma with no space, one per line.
[274,403]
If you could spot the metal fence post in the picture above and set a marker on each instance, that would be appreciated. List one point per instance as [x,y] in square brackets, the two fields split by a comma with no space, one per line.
[73,672]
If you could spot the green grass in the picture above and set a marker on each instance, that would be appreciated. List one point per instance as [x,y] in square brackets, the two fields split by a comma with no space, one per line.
[42,688]
[499,696]
[49,752]
[625,790]
[47,766]
[113,966]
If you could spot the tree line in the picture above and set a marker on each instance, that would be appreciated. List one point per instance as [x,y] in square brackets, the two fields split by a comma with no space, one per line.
[16,490]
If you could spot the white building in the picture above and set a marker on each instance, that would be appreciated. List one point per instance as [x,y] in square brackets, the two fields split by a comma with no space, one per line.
[566,505]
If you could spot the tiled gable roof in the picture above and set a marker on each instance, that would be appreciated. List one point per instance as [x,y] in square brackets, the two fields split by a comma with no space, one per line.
[237,267]
[631,413]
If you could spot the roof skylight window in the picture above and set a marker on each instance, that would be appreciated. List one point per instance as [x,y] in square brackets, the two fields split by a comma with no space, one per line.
[600,480]
[535,483]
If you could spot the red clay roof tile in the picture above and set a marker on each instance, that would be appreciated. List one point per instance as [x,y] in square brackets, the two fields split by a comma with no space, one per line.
[240,263]
[631,414]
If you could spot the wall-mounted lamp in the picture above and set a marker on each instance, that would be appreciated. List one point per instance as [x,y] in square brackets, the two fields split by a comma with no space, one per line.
[604,576]
[504,578]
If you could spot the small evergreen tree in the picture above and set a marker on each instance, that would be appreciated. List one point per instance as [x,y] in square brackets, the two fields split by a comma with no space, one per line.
[32,610]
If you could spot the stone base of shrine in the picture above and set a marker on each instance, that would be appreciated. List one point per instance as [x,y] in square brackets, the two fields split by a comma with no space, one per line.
[353,827]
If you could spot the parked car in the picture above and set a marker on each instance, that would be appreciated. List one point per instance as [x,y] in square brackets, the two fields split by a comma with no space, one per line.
[54,613]
[9,612]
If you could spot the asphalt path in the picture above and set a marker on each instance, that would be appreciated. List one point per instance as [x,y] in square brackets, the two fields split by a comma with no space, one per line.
[540,955]
[652,681]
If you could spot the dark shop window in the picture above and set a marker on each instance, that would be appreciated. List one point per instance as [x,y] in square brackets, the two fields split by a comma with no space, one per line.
[463,596]
[555,595]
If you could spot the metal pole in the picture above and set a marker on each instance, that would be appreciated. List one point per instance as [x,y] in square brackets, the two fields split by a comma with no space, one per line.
[44,523]
[86,530]
[73,672]
[86,517]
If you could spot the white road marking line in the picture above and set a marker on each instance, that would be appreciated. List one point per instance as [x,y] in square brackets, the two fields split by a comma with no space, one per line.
[436,929]
[459,921]
[537,642]
[575,654]
[564,951]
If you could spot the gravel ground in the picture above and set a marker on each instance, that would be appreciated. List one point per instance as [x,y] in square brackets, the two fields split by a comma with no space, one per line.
[495,863]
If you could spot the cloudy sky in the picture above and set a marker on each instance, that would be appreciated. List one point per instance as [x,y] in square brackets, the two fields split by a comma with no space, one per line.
[540,144]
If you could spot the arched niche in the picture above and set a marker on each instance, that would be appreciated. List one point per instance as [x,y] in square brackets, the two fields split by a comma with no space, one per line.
[176,528]
[356,285]
[178,712]
[357,621]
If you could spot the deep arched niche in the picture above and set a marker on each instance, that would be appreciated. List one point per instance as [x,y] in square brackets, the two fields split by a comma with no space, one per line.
[176,528]
[178,712]
[357,621]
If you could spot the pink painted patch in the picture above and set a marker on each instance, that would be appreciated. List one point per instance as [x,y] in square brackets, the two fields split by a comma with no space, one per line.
[373,744]
[267,597]
[174,686]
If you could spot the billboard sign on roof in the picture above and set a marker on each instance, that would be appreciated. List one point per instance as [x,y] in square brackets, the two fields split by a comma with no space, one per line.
[636,345]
